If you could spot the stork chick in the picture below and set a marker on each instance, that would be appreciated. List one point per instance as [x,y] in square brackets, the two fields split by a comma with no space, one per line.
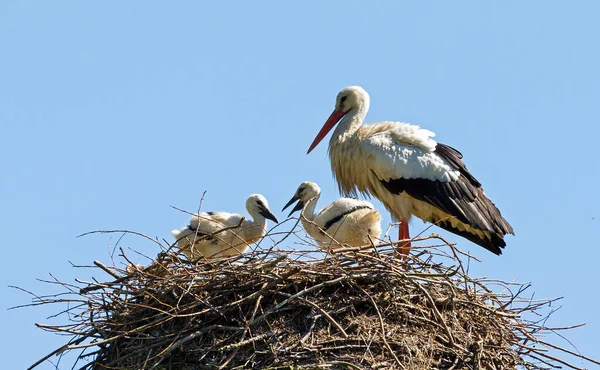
[222,234]
[348,221]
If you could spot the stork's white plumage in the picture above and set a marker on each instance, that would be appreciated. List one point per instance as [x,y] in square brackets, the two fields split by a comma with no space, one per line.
[409,172]
[347,220]
[214,234]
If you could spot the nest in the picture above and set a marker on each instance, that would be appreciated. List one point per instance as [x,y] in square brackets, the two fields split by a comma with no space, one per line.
[298,309]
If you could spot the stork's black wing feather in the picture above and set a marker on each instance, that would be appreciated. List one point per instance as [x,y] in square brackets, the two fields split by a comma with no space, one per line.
[455,158]
[462,198]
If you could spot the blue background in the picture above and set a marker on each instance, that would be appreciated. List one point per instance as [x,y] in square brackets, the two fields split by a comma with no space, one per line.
[112,112]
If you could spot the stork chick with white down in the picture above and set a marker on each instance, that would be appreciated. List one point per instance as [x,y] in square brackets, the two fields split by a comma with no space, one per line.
[346,221]
[409,172]
[222,234]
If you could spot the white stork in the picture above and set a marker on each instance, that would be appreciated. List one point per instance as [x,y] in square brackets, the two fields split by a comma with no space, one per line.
[214,234]
[410,173]
[348,221]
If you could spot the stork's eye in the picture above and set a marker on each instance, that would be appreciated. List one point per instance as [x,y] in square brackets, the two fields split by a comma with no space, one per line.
[343,99]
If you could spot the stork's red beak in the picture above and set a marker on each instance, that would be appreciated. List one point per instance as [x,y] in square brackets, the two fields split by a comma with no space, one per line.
[331,121]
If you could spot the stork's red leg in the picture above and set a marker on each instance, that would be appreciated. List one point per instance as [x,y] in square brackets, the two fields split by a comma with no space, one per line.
[403,248]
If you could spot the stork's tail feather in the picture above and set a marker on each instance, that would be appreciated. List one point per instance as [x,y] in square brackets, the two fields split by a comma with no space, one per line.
[372,216]
[369,222]
[493,243]
[182,237]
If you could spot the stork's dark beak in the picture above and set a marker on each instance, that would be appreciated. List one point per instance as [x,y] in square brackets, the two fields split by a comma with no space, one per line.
[298,206]
[266,213]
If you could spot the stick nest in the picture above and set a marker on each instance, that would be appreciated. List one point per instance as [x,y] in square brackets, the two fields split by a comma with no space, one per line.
[297,309]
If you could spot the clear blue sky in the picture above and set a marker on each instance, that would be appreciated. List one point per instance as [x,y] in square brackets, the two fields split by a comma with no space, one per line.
[110,113]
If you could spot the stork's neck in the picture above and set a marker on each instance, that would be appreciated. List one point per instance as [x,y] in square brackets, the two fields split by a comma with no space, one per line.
[349,124]
[309,208]
[257,219]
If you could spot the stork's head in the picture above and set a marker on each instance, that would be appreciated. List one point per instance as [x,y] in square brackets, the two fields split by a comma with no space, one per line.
[258,205]
[305,193]
[349,99]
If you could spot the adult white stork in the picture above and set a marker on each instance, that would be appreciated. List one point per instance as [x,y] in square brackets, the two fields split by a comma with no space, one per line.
[222,234]
[346,221]
[410,173]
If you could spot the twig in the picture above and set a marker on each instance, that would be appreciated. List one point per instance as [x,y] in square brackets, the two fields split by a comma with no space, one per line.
[107,270]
